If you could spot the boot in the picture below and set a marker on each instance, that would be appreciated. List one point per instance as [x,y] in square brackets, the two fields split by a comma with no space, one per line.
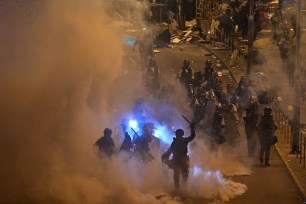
[267,162]
[261,161]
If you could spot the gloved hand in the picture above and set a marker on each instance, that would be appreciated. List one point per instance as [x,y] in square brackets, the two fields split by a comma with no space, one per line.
[163,157]
[192,126]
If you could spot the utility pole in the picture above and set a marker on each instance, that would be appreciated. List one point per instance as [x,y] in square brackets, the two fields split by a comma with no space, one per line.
[297,84]
[250,36]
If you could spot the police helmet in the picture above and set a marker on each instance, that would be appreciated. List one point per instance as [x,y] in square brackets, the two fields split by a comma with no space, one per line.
[107,131]
[186,62]
[229,87]
[228,11]
[152,61]
[267,110]
[179,132]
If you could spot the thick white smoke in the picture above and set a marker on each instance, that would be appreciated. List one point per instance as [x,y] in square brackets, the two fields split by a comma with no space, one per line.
[56,70]
[59,61]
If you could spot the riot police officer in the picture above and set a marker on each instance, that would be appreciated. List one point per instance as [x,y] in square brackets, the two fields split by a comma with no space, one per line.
[105,144]
[208,70]
[243,92]
[231,119]
[231,94]
[127,144]
[266,127]
[250,121]
[179,151]
[217,127]
[152,76]
[186,73]
[142,144]
[145,42]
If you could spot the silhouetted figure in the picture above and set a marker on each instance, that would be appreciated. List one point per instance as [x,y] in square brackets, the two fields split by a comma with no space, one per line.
[180,158]
[127,147]
[278,23]
[266,127]
[186,75]
[127,144]
[142,142]
[226,24]
[152,76]
[145,43]
[231,94]
[208,70]
[218,124]
[250,125]
[231,119]
[243,93]
[234,5]
[105,144]
[277,19]
[198,79]
[243,20]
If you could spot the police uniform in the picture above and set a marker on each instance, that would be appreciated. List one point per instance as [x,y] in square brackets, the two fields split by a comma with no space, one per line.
[180,161]
[105,144]
[267,126]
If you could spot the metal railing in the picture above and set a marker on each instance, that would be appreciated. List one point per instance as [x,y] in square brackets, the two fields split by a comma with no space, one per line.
[302,147]
[285,131]
[284,126]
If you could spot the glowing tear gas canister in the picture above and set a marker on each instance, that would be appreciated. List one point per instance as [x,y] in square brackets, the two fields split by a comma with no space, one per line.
[162,132]
[134,124]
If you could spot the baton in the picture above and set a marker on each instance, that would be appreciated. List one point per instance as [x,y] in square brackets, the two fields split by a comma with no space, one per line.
[134,132]
[186,119]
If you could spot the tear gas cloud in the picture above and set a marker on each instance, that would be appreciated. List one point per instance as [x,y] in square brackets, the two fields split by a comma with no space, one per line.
[59,66]
[56,70]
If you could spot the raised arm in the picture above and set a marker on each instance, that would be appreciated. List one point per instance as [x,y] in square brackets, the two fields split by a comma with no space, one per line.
[192,130]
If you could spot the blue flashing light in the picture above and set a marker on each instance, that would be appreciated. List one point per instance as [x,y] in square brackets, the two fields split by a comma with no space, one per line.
[133,124]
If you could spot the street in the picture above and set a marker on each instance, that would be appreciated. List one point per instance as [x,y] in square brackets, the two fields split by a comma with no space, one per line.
[265,185]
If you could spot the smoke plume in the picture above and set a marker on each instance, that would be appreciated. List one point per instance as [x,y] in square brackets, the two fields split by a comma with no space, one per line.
[58,62]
